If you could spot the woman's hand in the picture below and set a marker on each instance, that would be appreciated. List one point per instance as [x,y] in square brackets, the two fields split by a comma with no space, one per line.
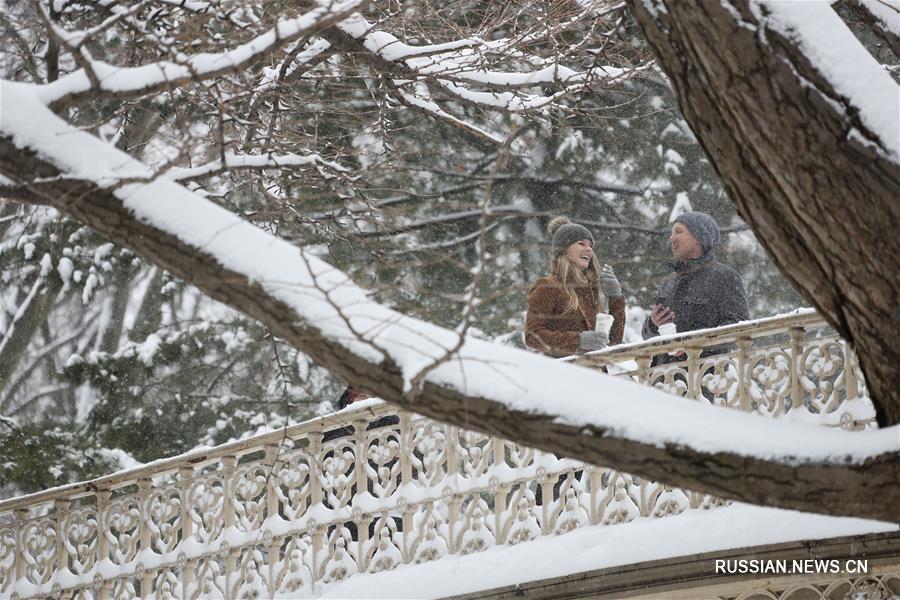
[594,340]
[610,283]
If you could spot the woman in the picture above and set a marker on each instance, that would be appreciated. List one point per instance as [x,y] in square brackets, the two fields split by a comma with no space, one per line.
[563,307]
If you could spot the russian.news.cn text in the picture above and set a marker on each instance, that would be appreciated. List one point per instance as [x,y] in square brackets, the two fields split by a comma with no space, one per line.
[758,566]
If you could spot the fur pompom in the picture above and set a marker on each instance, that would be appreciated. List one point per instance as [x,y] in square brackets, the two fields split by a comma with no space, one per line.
[555,223]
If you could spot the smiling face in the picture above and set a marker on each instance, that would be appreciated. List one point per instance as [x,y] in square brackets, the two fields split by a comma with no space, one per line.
[684,245]
[580,254]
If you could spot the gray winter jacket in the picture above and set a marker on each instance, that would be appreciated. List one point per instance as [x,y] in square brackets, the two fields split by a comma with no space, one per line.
[702,293]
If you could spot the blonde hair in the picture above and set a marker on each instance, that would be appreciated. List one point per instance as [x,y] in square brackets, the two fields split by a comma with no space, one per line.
[572,278]
[570,275]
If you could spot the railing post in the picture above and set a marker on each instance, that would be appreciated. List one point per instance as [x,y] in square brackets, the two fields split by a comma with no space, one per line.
[144,535]
[102,497]
[643,363]
[797,335]
[498,459]
[21,515]
[454,502]
[315,499]
[361,462]
[271,511]
[596,479]
[645,507]
[406,449]
[271,480]
[228,466]
[61,508]
[452,451]
[693,373]
[547,482]
[744,344]
[851,382]
[185,478]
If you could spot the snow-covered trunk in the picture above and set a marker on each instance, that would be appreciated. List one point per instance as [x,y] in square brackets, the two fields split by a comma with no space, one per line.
[802,126]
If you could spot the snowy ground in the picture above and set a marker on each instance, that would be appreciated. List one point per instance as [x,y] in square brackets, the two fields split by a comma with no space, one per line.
[602,546]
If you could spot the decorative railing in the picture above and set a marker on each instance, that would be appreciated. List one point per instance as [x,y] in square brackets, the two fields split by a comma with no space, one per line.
[288,513]
[791,365]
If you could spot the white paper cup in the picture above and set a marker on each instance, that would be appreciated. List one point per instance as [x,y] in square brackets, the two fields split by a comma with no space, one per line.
[604,322]
[668,329]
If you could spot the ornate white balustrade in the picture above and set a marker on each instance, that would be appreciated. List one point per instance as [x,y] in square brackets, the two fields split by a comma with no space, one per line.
[288,513]
[790,365]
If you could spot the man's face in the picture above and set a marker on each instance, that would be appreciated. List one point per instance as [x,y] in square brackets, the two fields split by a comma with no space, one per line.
[356,395]
[684,245]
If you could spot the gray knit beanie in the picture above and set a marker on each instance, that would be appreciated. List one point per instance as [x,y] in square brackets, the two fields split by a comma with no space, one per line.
[565,233]
[703,227]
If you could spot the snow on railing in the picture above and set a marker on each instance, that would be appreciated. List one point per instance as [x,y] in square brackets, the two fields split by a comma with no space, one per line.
[288,513]
[791,365]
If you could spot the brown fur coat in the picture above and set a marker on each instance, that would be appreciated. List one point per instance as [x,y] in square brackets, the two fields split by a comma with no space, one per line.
[551,330]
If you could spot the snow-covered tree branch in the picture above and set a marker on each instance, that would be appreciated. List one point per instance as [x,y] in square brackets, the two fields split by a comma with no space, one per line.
[100,78]
[504,391]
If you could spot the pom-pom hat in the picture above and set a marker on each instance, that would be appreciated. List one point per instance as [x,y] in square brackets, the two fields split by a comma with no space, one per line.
[565,233]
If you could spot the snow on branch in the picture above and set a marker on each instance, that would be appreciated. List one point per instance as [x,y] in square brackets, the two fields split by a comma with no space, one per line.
[76,39]
[887,13]
[883,16]
[235,162]
[447,244]
[192,6]
[135,81]
[457,64]
[272,76]
[864,86]
[509,101]
[429,106]
[527,397]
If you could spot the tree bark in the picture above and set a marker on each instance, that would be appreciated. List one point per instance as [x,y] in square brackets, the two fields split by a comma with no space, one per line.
[28,325]
[109,338]
[888,37]
[863,490]
[149,315]
[823,202]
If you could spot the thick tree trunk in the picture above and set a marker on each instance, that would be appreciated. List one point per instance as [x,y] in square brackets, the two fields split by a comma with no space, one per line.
[800,166]
[149,315]
[864,490]
[109,340]
[27,326]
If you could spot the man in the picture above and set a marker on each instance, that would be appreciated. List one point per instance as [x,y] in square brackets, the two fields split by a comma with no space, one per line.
[701,292]
[351,395]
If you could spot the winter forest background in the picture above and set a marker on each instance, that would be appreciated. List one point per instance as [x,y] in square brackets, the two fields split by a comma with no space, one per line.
[425,190]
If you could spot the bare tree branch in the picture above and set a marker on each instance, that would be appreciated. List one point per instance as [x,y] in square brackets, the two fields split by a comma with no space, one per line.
[129,82]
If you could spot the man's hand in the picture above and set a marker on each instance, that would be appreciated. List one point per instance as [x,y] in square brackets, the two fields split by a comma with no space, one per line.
[660,315]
